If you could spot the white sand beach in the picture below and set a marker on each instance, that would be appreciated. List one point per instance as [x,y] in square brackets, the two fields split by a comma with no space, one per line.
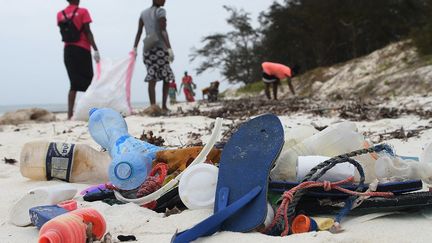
[149,226]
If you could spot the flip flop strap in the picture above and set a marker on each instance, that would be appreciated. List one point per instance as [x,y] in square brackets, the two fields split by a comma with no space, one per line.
[212,224]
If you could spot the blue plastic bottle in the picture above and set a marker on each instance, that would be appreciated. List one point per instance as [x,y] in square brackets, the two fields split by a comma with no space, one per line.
[132,158]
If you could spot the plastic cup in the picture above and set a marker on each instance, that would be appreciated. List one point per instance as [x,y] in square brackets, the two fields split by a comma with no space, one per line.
[303,224]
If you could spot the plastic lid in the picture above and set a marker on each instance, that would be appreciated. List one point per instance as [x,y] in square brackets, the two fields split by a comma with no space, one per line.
[197,186]
[129,170]
[303,224]
[92,110]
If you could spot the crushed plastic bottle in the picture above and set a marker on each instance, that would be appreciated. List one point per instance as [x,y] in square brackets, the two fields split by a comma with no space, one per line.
[132,158]
[334,140]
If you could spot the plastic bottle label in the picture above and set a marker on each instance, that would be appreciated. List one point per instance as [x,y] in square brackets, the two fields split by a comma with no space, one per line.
[127,144]
[59,161]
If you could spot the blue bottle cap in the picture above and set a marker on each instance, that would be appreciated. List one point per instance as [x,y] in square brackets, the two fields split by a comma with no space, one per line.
[92,110]
[129,170]
[313,225]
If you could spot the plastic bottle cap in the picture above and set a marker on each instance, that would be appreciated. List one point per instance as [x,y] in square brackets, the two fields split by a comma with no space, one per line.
[303,224]
[129,170]
[92,110]
[123,170]
[197,186]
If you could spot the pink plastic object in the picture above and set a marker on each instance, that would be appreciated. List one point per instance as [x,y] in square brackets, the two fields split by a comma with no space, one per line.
[129,74]
[66,228]
[71,227]
[69,205]
[98,70]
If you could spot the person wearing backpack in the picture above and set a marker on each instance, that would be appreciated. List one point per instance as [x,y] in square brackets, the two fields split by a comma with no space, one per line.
[74,23]
[157,51]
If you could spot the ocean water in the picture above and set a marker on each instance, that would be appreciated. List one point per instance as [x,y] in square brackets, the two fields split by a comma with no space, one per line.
[56,108]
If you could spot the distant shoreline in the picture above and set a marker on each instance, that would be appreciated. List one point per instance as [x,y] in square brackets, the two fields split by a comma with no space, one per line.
[54,108]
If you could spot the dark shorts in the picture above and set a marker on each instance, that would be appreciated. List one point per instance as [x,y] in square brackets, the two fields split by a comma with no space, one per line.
[79,67]
[269,78]
[158,66]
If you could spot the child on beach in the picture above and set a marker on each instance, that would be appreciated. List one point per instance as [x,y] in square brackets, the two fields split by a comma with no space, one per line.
[78,41]
[172,92]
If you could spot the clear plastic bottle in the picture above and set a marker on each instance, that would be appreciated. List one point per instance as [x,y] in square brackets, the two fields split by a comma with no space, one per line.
[132,158]
[42,160]
[396,168]
[334,140]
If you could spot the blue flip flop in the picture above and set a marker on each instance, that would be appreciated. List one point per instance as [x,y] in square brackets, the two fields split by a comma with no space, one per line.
[241,193]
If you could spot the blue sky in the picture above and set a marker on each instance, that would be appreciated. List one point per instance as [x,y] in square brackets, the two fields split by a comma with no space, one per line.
[31,66]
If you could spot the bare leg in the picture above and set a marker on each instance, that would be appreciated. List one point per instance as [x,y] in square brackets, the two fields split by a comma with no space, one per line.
[151,91]
[71,103]
[275,89]
[165,89]
[267,90]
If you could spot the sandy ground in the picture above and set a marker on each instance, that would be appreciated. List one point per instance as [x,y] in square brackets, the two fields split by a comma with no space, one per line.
[149,226]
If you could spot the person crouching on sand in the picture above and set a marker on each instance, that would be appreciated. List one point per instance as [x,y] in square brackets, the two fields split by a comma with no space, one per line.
[273,73]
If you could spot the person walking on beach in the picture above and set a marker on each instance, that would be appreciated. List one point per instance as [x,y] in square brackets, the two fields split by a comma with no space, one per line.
[157,50]
[74,23]
[272,75]
[172,92]
[188,87]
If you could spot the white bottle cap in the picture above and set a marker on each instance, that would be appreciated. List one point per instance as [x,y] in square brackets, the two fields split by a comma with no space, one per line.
[197,186]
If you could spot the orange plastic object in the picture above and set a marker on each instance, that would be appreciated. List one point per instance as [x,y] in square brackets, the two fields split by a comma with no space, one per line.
[71,227]
[90,215]
[66,228]
[69,205]
[179,159]
[301,224]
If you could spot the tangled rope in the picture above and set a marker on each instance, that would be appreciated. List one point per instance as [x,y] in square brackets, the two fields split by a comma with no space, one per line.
[154,180]
[289,195]
[291,198]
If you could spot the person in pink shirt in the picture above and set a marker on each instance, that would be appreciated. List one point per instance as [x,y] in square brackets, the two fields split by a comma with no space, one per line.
[74,23]
[273,73]
[188,87]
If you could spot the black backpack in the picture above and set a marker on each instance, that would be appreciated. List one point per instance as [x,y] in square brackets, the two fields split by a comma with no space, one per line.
[68,30]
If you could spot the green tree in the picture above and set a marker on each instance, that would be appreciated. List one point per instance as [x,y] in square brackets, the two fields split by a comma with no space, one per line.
[316,33]
[235,54]
[422,35]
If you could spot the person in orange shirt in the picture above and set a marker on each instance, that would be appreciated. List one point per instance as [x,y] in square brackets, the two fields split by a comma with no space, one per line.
[273,73]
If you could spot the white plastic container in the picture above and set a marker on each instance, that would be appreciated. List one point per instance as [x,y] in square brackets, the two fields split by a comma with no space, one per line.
[296,135]
[41,196]
[337,173]
[197,187]
[426,155]
[334,140]
[83,163]
[396,168]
